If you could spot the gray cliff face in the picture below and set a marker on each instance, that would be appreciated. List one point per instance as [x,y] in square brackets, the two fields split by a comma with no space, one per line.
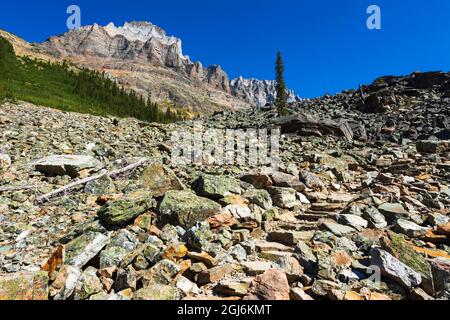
[141,46]
[140,42]
[258,92]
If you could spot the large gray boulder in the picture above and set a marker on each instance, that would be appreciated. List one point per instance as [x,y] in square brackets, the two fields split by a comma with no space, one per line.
[71,165]
[394,269]
[184,208]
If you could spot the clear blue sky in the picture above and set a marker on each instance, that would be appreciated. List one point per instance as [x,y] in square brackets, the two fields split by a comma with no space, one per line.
[326,45]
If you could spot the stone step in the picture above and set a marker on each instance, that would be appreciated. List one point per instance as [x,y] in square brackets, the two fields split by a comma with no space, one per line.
[263,246]
[290,238]
[312,217]
[298,225]
[327,207]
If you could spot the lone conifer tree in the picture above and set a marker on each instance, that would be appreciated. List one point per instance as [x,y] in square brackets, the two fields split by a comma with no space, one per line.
[281,101]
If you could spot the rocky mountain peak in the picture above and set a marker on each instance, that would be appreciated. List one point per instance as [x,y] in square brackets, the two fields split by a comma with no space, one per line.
[258,92]
[137,46]
[141,31]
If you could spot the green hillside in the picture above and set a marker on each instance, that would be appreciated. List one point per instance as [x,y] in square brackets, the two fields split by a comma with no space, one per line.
[59,86]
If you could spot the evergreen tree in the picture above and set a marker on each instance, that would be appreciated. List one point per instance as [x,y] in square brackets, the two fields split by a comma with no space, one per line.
[281,100]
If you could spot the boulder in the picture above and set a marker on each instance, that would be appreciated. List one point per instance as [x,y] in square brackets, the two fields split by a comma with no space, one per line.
[353,221]
[5,161]
[336,228]
[253,268]
[432,146]
[65,282]
[393,211]
[216,187]
[24,286]
[215,274]
[71,165]
[306,257]
[81,250]
[157,292]
[199,236]
[375,218]
[271,285]
[159,179]
[259,197]
[410,228]
[394,269]
[126,209]
[88,284]
[312,181]
[307,124]
[285,180]
[284,197]
[185,209]
[258,180]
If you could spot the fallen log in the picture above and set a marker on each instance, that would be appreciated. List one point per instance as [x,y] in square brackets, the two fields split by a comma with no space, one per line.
[113,174]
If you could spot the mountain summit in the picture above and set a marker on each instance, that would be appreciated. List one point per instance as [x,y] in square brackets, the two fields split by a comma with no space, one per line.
[142,57]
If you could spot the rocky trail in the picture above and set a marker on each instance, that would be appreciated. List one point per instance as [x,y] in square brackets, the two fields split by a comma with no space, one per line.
[358,209]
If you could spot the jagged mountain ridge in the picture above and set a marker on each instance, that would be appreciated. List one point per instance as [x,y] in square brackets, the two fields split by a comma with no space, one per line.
[141,47]
[258,92]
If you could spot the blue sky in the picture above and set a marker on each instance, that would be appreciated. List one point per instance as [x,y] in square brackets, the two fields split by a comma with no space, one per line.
[326,44]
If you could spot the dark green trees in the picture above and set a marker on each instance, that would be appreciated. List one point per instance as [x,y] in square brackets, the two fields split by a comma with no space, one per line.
[281,100]
[61,86]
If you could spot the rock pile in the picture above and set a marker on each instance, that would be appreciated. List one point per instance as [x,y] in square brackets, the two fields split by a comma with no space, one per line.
[365,218]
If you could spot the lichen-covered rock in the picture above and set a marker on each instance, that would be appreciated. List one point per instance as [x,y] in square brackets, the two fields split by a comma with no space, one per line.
[88,284]
[112,256]
[396,245]
[216,187]
[101,186]
[184,208]
[5,161]
[24,286]
[259,197]
[199,236]
[124,239]
[159,179]
[161,273]
[394,269]
[306,256]
[291,267]
[82,249]
[126,209]
[157,292]
[65,282]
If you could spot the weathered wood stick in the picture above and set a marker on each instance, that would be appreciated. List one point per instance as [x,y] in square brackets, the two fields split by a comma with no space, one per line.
[101,174]
[131,167]
[70,187]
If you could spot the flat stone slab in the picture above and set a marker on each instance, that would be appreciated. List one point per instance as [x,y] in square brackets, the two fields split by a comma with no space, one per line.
[336,228]
[254,268]
[263,246]
[59,165]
